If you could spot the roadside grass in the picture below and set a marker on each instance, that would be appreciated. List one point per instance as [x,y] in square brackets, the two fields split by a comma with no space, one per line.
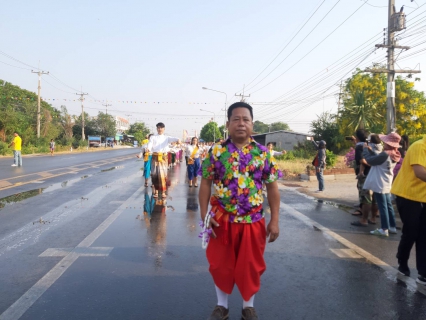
[293,168]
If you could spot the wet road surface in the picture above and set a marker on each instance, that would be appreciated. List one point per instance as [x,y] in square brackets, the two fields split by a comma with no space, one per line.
[87,250]
[37,169]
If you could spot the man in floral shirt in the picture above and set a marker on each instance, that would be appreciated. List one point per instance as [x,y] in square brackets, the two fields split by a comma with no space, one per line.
[237,168]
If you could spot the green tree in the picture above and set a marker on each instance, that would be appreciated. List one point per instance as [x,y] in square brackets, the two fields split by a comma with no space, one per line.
[105,124]
[325,128]
[364,104]
[260,127]
[361,113]
[139,127]
[210,131]
[277,126]
[222,129]
[18,112]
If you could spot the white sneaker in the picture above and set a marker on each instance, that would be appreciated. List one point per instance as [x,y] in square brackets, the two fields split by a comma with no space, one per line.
[380,232]
[14,165]
[393,230]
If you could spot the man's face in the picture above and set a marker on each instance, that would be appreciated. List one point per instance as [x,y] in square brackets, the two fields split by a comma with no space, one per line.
[160,130]
[15,134]
[240,125]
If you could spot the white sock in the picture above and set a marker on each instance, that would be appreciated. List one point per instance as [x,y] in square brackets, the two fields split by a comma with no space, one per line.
[249,303]
[222,298]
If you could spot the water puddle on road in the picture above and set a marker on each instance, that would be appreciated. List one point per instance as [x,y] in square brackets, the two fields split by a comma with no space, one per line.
[18,197]
[333,204]
[14,198]
[112,168]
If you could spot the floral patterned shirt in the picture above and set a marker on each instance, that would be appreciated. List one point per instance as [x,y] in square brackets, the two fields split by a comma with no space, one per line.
[237,176]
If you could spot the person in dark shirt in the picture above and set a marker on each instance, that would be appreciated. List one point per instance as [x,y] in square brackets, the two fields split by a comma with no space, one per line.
[366,199]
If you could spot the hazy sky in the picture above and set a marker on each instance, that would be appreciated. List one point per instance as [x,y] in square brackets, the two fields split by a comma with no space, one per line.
[166,51]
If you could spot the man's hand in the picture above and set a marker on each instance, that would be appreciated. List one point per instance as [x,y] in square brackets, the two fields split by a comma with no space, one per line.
[212,223]
[272,231]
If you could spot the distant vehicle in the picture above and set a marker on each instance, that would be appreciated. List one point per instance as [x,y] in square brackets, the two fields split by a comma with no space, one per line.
[110,142]
[94,141]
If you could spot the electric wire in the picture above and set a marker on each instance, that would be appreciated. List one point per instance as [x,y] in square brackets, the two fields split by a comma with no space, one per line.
[288,43]
[16,60]
[300,43]
[14,66]
[310,50]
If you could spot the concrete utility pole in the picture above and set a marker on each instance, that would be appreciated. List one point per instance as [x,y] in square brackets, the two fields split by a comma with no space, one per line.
[106,105]
[82,94]
[242,95]
[396,22]
[38,99]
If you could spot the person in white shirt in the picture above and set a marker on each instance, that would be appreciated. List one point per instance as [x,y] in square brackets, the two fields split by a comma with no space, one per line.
[193,152]
[274,153]
[159,146]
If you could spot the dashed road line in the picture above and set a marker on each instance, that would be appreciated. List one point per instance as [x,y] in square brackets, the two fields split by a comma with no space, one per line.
[17,309]
[5,184]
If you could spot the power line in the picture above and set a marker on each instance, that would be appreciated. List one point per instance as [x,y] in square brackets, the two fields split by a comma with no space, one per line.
[288,43]
[310,50]
[14,66]
[307,84]
[300,43]
[19,61]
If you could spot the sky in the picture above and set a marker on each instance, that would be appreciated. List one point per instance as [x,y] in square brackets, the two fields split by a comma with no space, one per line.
[150,59]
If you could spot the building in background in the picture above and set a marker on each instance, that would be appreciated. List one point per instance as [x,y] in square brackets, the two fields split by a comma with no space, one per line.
[282,139]
[121,124]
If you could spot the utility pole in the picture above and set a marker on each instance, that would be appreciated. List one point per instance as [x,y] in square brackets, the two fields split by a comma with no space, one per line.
[396,22]
[82,94]
[106,105]
[242,95]
[340,97]
[38,99]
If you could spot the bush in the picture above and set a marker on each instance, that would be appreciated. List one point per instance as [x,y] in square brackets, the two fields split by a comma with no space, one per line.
[331,158]
[4,148]
[75,143]
[83,143]
[350,158]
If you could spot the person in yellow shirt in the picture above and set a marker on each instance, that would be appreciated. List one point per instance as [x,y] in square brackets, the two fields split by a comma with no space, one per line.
[410,190]
[16,145]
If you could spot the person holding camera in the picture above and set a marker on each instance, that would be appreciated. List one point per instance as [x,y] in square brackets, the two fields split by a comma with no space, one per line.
[380,179]
[366,199]
[319,163]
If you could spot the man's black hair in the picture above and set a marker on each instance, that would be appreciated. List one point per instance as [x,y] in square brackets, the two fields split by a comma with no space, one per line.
[160,125]
[361,134]
[239,105]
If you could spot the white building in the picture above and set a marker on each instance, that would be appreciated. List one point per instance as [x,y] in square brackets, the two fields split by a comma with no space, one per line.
[121,124]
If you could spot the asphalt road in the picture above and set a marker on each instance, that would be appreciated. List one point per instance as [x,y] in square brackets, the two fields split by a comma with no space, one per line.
[85,249]
[38,169]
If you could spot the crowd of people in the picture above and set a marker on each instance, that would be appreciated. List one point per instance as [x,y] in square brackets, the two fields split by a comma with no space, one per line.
[387,171]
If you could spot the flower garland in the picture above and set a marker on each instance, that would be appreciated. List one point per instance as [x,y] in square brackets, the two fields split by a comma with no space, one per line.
[206,231]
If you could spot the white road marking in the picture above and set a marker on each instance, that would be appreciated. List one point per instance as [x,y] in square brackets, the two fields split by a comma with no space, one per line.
[346,253]
[391,271]
[17,309]
[81,251]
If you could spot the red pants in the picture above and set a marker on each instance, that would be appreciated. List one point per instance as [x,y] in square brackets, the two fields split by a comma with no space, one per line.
[241,260]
